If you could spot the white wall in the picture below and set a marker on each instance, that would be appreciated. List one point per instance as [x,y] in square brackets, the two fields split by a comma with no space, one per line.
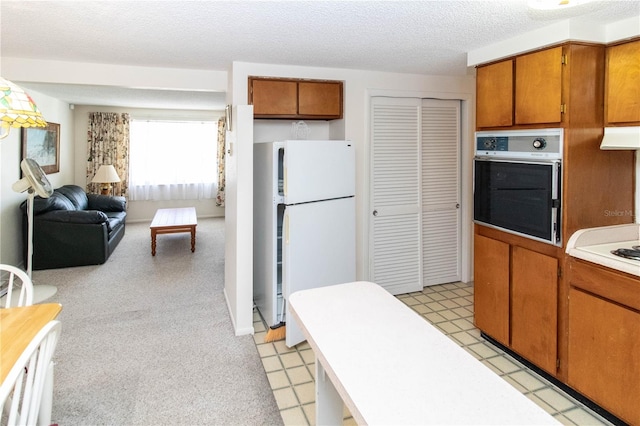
[238,265]
[359,86]
[138,211]
[47,71]
[54,111]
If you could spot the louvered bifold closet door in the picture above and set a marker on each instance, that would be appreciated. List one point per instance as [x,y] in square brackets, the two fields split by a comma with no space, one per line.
[395,250]
[440,191]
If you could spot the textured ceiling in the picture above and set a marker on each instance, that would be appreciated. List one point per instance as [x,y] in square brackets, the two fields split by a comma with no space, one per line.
[424,37]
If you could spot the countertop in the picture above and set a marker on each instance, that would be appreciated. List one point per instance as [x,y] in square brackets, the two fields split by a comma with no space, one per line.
[390,366]
[595,245]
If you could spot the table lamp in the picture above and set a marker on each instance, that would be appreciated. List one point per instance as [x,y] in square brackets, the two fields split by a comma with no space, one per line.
[105,176]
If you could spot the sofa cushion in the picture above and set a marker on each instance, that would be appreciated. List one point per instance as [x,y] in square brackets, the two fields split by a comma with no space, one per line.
[56,201]
[107,203]
[115,219]
[75,216]
[76,195]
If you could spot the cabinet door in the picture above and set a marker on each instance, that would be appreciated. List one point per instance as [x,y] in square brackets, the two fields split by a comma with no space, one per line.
[494,95]
[323,99]
[539,87]
[534,307]
[604,353]
[623,83]
[491,287]
[274,97]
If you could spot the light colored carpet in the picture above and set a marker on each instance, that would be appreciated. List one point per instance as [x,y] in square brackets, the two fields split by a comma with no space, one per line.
[148,340]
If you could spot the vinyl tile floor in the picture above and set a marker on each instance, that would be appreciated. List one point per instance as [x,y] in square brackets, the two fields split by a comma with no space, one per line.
[449,307]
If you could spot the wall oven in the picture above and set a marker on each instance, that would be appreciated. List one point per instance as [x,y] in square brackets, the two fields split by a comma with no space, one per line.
[517,182]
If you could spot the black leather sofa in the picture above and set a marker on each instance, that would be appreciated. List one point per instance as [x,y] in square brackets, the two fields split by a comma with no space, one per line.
[73,228]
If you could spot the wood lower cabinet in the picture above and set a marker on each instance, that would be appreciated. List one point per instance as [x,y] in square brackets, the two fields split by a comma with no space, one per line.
[534,307]
[604,339]
[622,92]
[491,287]
[516,299]
[295,99]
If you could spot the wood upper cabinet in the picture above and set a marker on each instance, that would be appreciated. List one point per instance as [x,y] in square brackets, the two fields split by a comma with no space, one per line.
[604,338]
[523,90]
[273,97]
[494,100]
[556,86]
[622,87]
[491,287]
[538,92]
[295,99]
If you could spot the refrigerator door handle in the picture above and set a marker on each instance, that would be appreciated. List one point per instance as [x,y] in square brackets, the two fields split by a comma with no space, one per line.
[285,180]
[286,229]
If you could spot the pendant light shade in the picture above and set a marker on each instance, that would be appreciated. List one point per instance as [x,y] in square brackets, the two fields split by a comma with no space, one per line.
[17,109]
[555,4]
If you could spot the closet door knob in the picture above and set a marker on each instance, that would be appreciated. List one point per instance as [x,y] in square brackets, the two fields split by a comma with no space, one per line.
[375,212]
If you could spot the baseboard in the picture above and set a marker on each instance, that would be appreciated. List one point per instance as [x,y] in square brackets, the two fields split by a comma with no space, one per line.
[237,331]
[575,394]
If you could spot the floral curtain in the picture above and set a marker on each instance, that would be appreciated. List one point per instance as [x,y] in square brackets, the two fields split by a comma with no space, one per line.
[108,143]
[221,159]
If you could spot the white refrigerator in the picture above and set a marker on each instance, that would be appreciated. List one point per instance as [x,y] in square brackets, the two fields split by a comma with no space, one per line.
[304,222]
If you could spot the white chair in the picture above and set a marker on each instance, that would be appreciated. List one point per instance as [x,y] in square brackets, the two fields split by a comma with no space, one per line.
[29,385]
[18,287]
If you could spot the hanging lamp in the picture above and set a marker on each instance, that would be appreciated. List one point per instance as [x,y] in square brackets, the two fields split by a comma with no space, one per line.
[17,109]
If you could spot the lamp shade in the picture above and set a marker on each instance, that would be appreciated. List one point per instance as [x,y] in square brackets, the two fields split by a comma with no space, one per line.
[17,109]
[106,174]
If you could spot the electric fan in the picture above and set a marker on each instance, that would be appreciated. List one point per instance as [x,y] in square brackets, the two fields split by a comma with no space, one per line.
[34,182]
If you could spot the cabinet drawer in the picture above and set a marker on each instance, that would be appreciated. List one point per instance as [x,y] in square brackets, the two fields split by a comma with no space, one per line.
[612,285]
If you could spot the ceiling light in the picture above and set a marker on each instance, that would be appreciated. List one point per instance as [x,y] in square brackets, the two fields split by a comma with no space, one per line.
[555,4]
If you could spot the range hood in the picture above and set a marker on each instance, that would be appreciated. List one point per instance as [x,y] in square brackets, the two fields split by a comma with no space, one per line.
[621,138]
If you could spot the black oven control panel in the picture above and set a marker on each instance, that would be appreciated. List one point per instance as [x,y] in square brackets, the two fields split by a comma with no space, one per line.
[543,144]
[492,143]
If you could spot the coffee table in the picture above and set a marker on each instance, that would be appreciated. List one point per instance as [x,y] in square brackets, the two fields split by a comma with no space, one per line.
[173,221]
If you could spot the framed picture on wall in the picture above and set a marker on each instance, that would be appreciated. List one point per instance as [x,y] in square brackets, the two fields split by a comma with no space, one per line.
[43,145]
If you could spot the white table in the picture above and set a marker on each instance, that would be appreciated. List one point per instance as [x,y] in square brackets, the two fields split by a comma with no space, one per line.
[392,367]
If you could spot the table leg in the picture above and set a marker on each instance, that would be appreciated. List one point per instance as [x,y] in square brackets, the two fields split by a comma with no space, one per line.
[153,242]
[328,402]
[193,239]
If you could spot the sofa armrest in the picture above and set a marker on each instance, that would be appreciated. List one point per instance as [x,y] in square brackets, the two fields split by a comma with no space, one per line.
[75,216]
[107,203]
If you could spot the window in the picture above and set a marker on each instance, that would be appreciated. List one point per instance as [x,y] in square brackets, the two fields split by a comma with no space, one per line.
[172,160]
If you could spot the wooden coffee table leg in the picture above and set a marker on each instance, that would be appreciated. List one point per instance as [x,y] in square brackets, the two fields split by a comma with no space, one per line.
[153,242]
[193,239]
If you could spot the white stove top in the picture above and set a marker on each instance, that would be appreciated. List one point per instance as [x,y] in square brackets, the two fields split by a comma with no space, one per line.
[600,242]
[606,249]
